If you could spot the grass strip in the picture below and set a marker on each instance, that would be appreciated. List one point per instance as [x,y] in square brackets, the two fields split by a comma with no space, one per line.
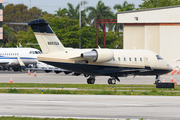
[93,86]
[154,92]
[34,118]
[81,86]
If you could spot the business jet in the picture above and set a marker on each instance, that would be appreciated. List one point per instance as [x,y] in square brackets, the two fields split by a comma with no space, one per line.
[96,62]
[9,57]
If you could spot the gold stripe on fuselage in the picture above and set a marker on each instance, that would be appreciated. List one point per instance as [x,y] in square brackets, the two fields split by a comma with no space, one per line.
[49,34]
[91,63]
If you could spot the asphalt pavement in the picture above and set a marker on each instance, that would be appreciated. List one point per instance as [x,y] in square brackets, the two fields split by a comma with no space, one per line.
[42,77]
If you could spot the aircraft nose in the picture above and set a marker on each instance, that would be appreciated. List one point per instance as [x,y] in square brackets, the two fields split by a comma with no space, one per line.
[170,67]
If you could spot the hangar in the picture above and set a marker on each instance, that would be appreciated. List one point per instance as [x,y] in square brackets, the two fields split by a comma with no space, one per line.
[156,29]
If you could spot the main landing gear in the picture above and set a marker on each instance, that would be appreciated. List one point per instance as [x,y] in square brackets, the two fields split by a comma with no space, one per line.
[91,80]
[112,80]
[157,79]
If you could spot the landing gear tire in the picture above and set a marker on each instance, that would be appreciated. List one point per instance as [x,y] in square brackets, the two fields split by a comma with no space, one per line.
[111,81]
[91,80]
[157,81]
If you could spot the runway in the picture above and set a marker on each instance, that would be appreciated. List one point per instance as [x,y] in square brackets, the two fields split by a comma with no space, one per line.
[42,77]
[90,106]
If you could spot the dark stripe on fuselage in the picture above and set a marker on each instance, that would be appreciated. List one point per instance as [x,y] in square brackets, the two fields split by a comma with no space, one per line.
[105,70]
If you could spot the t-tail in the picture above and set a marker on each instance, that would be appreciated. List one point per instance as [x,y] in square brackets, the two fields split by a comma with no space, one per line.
[45,36]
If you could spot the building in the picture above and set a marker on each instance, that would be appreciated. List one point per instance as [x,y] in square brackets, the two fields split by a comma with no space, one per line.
[156,29]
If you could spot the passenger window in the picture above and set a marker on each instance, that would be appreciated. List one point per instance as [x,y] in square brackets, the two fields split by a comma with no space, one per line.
[119,59]
[124,59]
[129,59]
[141,59]
[113,59]
[135,59]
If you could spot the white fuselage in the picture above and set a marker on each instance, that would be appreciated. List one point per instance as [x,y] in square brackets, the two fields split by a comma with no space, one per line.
[9,56]
[122,60]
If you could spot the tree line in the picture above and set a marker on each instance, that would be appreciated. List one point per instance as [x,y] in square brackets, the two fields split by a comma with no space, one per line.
[65,23]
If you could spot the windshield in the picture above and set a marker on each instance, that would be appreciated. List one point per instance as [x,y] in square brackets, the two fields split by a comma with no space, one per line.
[35,52]
[159,57]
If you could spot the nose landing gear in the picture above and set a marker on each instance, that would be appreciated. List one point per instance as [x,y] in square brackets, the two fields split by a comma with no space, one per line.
[157,79]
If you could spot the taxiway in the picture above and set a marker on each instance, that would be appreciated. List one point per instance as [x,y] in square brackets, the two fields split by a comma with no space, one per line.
[42,77]
[90,106]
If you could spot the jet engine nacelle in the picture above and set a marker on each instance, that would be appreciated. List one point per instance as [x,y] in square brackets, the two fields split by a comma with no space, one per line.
[98,55]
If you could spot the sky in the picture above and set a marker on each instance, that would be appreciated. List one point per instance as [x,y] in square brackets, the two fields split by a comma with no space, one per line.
[52,5]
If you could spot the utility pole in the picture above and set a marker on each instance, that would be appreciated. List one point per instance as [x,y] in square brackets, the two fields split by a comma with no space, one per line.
[80,24]
[30,4]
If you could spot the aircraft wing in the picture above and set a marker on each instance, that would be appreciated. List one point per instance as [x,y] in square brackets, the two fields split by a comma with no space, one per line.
[55,70]
[41,69]
[129,71]
[21,63]
[177,60]
[4,62]
[137,70]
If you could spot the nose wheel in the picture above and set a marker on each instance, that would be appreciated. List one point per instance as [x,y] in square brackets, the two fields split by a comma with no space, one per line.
[157,79]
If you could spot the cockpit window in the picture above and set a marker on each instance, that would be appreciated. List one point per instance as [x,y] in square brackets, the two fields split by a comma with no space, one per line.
[35,52]
[159,57]
[39,52]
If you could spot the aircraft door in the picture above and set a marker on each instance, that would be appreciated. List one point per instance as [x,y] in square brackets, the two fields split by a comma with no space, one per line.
[146,63]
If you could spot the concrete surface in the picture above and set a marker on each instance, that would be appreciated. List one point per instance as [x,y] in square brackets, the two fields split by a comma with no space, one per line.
[42,77]
[90,106]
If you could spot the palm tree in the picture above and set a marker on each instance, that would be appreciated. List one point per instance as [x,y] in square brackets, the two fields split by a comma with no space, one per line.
[100,12]
[73,13]
[124,7]
[61,12]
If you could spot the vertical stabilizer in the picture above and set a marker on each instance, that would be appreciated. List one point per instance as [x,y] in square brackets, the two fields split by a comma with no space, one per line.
[45,36]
